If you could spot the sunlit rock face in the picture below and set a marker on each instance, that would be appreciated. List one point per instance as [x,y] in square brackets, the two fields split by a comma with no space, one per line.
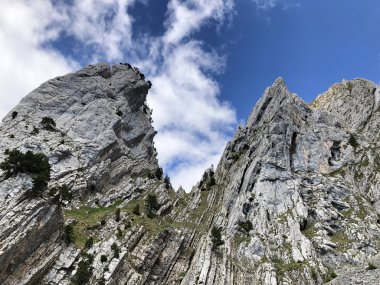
[293,200]
[100,144]
[305,178]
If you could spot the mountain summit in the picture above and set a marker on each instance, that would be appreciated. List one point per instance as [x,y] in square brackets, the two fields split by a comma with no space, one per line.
[295,198]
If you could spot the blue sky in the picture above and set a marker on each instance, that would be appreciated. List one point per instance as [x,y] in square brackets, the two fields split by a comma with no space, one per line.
[310,46]
[209,61]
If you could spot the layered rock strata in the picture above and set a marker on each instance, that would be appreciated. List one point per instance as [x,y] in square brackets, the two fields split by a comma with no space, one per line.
[294,199]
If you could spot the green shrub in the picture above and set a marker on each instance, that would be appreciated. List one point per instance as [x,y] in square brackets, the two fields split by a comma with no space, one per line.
[168,185]
[116,250]
[39,185]
[151,205]
[65,193]
[35,131]
[117,215]
[37,165]
[17,162]
[314,274]
[89,243]
[48,123]
[87,256]
[14,114]
[207,181]
[330,275]
[246,226]
[136,210]
[69,234]
[353,142]
[102,281]
[216,237]
[84,272]
[349,85]
[203,182]
[371,267]
[159,173]
[61,193]
[211,182]
[103,222]
[103,258]
[119,233]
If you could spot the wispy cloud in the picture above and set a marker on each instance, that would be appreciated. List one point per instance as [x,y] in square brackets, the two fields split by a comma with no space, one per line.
[265,4]
[104,25]
[188,16]
[193,124]
[25,63]
[270,4]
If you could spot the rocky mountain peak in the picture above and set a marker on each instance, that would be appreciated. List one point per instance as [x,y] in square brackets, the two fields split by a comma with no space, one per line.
[99,120]
[295,198]
[353,100]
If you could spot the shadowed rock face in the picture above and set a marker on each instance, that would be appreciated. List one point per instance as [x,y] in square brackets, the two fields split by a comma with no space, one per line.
[295,195]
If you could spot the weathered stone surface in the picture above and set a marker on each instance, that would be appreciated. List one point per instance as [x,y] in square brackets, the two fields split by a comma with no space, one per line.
[297,173]
[101,143]
[295,195]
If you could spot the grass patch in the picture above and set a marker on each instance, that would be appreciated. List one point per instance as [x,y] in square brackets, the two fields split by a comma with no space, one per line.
[330,275]
[239,239]
[348,213]
[362,212]
[199,211]
[310,231]
[87,217]
[338,172]
[283,267]
[341,240]
[283,217]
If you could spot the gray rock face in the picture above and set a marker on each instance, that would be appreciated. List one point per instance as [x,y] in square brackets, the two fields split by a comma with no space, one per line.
[103,131]
[102,141]
[304,178]
[295,196]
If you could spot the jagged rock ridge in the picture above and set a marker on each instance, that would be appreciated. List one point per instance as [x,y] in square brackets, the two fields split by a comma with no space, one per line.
[295,196]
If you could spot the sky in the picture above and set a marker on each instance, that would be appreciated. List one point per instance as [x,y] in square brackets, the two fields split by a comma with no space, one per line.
[209,60]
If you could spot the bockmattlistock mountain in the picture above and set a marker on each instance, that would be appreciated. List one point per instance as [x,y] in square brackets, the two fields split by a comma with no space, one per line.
[295,198]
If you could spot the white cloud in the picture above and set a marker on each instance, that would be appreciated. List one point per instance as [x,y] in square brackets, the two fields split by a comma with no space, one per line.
[188,16]
[265,4]
[25,64]
[102,24]
[192,123]
[270,4]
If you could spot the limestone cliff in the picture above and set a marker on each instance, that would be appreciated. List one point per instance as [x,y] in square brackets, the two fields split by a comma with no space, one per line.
[294,200]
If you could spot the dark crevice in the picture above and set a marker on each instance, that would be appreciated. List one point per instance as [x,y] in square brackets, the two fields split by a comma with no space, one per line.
[255,173]
[246,208]
[242,177]
[335,152]
[339,206]
[263,109]
[268,215]
[292,150]
[303,225]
